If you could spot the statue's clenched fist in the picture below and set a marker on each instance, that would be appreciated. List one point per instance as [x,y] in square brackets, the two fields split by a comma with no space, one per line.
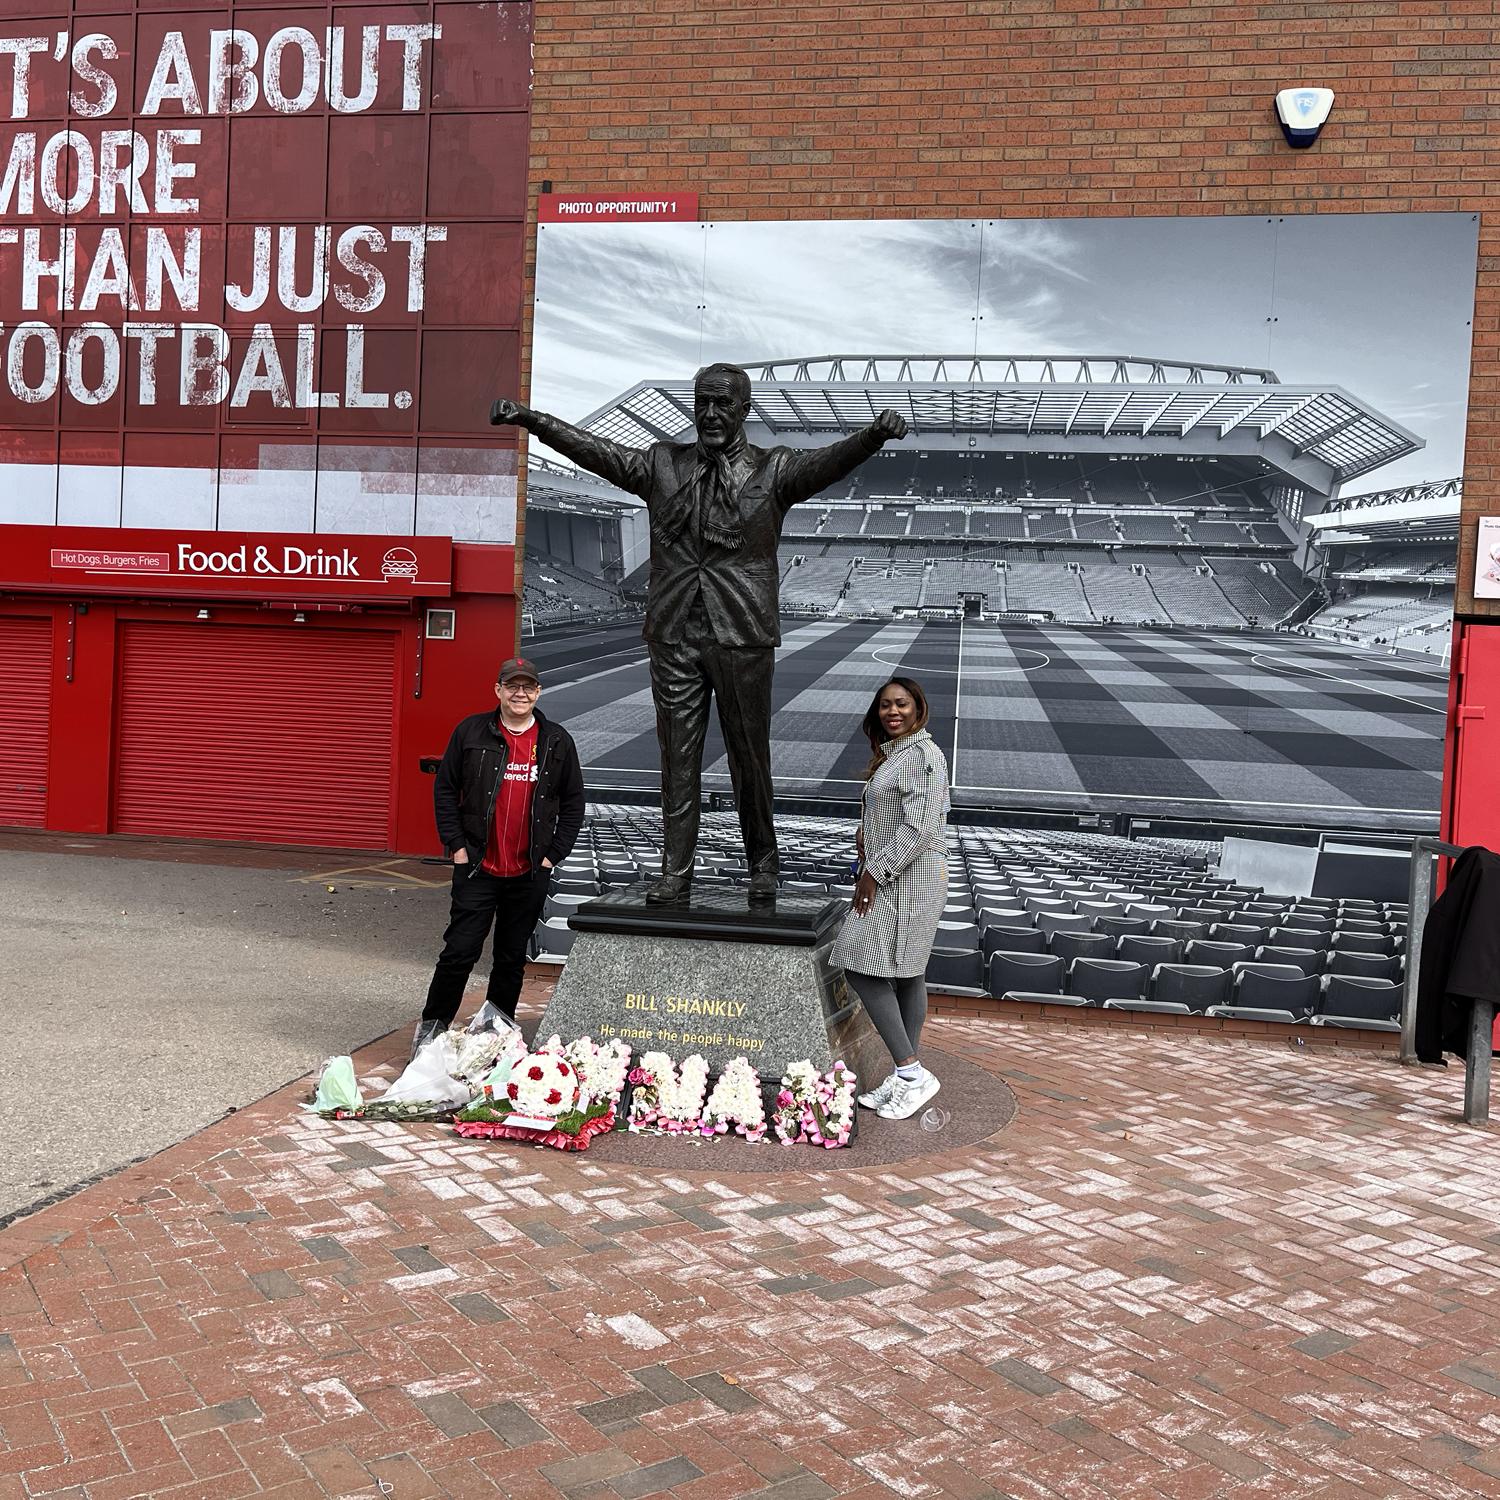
[508,413]
[889,424]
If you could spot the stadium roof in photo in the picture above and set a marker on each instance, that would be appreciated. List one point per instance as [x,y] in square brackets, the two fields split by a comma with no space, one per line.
[1414,513]
[1321,436]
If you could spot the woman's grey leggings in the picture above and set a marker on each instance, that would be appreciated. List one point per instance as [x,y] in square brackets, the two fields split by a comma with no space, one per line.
[896,1006]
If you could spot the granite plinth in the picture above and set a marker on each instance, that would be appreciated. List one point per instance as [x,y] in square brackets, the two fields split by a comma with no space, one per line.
[720,976]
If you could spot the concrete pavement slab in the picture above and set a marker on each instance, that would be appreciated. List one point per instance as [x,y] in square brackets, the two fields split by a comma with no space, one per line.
[142,997]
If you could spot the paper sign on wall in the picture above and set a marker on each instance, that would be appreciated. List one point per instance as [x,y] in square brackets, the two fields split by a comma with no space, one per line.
[1487,559]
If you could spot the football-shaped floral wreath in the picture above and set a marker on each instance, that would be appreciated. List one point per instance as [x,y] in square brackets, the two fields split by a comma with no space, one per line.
[543,1083]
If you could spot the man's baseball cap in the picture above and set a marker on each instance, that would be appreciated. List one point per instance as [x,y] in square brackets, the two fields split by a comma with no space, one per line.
[518,666]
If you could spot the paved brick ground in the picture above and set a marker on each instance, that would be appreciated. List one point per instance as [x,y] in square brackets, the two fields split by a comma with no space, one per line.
[1205,1268]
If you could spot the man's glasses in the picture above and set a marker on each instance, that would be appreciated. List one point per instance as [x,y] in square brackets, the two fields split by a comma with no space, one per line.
[521,689]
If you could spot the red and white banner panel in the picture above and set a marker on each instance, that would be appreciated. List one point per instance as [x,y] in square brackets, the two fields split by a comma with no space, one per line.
[262,269]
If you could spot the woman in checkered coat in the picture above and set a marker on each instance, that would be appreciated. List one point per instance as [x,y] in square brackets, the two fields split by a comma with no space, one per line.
[887,937]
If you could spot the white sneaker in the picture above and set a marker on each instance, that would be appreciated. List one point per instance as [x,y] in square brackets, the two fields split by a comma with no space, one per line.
[907,1098]
[880,1094]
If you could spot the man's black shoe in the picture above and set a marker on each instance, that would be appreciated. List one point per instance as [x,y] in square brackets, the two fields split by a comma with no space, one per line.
[763,886]
[670,890]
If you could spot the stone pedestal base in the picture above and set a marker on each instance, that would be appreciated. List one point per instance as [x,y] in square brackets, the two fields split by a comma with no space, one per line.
[719,977]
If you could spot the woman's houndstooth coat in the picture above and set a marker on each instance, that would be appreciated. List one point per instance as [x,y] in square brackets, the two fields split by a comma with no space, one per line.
[905,810]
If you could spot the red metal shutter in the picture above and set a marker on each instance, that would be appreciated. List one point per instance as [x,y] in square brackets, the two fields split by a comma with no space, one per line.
[26,689]
[260,733]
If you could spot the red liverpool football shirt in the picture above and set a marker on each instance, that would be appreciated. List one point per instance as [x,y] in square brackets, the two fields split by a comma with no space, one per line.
[508,848]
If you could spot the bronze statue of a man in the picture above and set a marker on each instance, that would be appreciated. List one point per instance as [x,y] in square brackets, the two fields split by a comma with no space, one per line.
[716,508]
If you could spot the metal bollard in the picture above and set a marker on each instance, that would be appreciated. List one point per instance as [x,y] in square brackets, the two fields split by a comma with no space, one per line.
[1419,903]
[1477,1064]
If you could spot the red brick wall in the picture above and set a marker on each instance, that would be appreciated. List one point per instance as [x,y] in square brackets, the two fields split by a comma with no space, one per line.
[1036,108]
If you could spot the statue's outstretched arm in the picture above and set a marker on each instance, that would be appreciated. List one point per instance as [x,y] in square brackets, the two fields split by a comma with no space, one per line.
[808,473]
[627,468]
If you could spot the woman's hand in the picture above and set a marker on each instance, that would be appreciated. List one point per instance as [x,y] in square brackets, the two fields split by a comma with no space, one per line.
[864,893]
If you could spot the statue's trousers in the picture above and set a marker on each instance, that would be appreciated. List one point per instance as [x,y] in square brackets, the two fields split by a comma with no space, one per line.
[685,675]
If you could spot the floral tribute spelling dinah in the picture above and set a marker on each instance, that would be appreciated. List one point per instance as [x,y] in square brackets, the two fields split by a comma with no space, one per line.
[736,1103]
[668,1099]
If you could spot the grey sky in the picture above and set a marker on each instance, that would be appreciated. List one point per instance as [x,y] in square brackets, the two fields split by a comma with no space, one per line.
[1377,303]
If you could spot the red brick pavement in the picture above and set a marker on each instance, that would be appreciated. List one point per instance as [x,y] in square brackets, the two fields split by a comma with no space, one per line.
[1209,1268]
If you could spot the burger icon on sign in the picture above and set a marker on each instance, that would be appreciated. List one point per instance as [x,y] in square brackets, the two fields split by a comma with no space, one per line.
[399,562]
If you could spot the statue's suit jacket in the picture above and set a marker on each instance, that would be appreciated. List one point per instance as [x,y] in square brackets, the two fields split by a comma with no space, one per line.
[740,585]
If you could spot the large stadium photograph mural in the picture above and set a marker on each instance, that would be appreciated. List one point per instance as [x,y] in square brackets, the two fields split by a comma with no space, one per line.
[1170,543]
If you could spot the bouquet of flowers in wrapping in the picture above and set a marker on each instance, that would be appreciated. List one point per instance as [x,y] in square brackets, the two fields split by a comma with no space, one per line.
[666,1098]
[814,1107]
[736,1103]
[448,1072]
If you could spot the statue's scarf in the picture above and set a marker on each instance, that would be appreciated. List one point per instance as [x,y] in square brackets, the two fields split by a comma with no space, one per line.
[711,494]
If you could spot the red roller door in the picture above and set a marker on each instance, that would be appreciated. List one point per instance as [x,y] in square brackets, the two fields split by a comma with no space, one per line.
[256,732]
[26,687]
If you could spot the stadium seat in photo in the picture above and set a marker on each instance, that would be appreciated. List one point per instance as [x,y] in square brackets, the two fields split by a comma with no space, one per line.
[1102,979]
[554,939]
[1159,1007]
[1183,931]
[1206,951]
[1052,922]
[1275,987]
[1301,937]
[1052,905]
[1363,1004]
[1366,965]
[1237,932]
[1070,945]
[1196,986]
[1255,1013]
[1043,997]
[1363,942]
[949,969]
[998,939]
[1121,926]
[1150,950]
[1304,960]
[1033,972]
[1094,910]
[1004,915]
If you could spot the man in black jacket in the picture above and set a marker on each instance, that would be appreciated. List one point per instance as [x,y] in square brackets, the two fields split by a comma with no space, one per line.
[716,507]
[509,801]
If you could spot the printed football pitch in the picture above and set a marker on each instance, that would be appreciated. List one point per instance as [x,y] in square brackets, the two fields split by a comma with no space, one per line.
[1183,723]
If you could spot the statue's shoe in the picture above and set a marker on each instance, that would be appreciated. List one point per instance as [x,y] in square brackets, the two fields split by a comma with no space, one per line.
[670,890]
[763,886]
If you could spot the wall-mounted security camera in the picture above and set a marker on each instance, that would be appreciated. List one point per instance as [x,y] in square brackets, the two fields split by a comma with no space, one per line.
[1303,113]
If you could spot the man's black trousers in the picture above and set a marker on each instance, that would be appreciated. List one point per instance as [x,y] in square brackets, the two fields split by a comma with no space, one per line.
[685,675]
[512,903]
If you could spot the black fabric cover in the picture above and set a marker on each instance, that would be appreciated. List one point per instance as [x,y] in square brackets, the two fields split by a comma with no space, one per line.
[1460,955]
